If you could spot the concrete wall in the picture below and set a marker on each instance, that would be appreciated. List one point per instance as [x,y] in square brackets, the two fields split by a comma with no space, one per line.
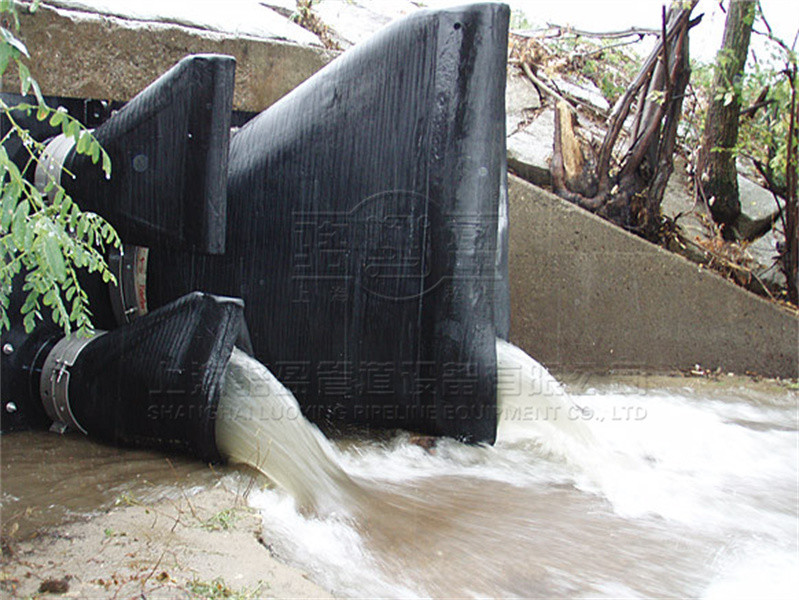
[91,56]
[586,295]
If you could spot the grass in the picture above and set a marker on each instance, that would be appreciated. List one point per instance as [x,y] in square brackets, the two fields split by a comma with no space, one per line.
[221,521]
[217,588]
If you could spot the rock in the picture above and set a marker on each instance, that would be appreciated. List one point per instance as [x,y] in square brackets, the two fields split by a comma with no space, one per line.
[530,149]
[282,7]
[756,201]
[91,55]
[54,586]
[353,21]
[521,97]
[586,91]
[764,252]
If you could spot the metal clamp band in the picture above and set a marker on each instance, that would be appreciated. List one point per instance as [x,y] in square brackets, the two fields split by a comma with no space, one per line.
[51,163]
[54,381]
[129,297]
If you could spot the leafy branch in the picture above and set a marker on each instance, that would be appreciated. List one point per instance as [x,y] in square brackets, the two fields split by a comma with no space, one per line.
[44,236]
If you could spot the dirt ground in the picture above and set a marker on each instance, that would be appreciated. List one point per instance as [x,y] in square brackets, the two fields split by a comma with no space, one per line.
[205,544]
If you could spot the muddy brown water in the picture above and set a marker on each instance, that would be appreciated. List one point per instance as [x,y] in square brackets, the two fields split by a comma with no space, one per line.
[48,479]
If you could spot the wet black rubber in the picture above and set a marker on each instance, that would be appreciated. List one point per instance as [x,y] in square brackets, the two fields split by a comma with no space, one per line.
[155,383]
[168,148]
[363,218]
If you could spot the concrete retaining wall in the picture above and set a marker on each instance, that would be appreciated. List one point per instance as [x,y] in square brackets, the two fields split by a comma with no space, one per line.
[93,56]
[586,295]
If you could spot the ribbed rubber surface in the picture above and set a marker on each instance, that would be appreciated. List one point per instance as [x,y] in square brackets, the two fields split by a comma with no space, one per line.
[169,149]
[363,224]
[155,382]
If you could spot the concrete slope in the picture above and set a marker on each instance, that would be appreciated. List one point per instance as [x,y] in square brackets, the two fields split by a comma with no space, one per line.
[586,295]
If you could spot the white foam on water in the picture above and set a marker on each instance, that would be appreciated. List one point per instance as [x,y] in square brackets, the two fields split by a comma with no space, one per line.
[329,548]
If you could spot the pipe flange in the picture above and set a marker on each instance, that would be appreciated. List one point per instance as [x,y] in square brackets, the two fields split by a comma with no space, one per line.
[129,297]
[51,163]
[54,381]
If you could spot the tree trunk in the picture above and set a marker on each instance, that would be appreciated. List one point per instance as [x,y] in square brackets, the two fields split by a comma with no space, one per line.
[629,191]
[716,164]
[790,253]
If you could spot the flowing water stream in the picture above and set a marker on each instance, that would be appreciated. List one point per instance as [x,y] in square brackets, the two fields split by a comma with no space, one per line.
[612,492]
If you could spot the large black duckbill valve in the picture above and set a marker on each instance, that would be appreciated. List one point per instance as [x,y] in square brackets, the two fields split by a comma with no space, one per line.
[365,229]
[154,383]
[169,149]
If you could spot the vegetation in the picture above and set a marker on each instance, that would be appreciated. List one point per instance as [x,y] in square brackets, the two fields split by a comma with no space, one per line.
[765,115]
[624,180]
[718,175]
[763,96]
[45,238]
[219,589]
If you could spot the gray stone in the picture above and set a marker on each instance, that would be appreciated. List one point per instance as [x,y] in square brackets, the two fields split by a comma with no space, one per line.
[586,91]
[530,149]
[764,252]
[283,7]
[521,97]
[756,201]
[95,56]
[353,21]
[679,203]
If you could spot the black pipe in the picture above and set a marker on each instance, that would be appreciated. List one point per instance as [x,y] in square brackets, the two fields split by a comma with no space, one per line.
[169,150]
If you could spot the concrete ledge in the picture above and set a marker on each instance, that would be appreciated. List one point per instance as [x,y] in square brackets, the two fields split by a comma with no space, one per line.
[95,56]
[586,295]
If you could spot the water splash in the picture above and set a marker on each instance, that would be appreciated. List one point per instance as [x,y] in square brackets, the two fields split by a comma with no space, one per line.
[259,423]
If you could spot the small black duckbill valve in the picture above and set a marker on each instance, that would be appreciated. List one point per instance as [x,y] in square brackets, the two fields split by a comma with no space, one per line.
[152,383]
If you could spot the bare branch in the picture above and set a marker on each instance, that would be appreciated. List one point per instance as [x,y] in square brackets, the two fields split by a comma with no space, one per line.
[632,31]
[543,87]
[622,108]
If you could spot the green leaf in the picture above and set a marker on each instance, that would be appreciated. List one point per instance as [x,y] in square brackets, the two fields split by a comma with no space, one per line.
[29,304]
[5,55]
[57,117]
[19,223]
[49,297]
[55,260]
[83,143]
[83,225]
[107,165]
[94,150]
[28,236]
[79,256]
[29,322]
[24,78]
[10,198]
[70,128]
[12,40]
